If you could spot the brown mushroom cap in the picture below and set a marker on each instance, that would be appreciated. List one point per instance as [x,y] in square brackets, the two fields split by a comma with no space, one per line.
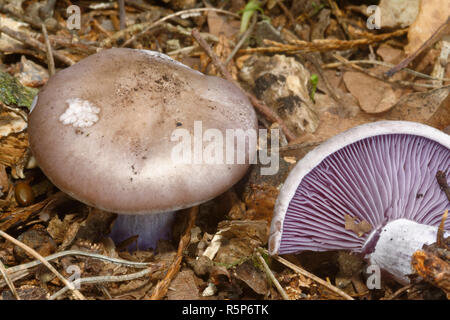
[121,161]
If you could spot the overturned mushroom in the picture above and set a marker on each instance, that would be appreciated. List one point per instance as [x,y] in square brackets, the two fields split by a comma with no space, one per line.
[105,130]
[371,190]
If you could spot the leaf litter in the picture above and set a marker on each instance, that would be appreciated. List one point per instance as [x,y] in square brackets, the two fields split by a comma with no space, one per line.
[219,259]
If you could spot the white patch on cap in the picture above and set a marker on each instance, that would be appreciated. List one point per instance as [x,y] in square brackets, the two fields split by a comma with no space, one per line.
[163,56]
[80,113]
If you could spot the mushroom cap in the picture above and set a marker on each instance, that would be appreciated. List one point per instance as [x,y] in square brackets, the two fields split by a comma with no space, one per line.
[101,131]
[376,172]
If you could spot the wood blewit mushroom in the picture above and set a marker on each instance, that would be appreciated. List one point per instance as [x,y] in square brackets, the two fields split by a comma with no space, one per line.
[371,190]
[101,130]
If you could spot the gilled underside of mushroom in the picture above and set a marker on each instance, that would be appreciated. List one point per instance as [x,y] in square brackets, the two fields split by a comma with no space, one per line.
[386,183]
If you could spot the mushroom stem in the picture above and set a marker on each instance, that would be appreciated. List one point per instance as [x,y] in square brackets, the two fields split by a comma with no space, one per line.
[151,228]
[397,242]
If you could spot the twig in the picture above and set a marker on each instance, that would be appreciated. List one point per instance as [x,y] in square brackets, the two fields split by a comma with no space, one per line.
[441,177]
[14,277]
[103,279]
[50,61]
[259,105]
[272,277]
[145,27]
[338,14]
[33,252]
[429,42]
[244,38]
[122,14]
[381,78]
[320,45]
[313,277]
[440,233]
[22,37]
[78,253]
[8,281]
[163,285]
[287,13]
[381,63]
[47,10]
[400,291]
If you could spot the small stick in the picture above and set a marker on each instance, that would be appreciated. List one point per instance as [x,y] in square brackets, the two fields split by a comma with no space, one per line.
[49,52]
[429,42]
[272,277]
[33,252]
[146,26]
[14,277]
[79,253]
[400,291]
[47,10]
[123,18]
[103,279]
[313,277]
[8,280]
[259,105]
[163,285]
[244,38]
[381,63]
[22,37]
[381,78]
[440,233]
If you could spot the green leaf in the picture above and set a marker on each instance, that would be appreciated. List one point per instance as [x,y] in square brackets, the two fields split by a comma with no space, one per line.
[12,92]
[314,79]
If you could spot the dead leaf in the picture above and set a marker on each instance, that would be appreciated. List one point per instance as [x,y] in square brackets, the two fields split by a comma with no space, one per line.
[4,181]
[432,14]
[183,287]
[374,96]
[390,54]
[11,122]
[359,228]
[37,239]
[236,240]
[422,106]
[252,276]
[218,25]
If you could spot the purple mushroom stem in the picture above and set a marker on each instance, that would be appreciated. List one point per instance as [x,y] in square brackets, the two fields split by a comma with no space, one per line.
[370,190]
[150,228]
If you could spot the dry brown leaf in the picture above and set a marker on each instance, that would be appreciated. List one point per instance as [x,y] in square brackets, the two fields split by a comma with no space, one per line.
[4,181]
[183,287]
[11,122]
[390,54]
[374,96]
[252,276]
[423,107]
[360,228]
[220,25]
[238,239]
[432,14]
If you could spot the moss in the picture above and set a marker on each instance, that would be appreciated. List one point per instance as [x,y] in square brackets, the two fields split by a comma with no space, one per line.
[12,92]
